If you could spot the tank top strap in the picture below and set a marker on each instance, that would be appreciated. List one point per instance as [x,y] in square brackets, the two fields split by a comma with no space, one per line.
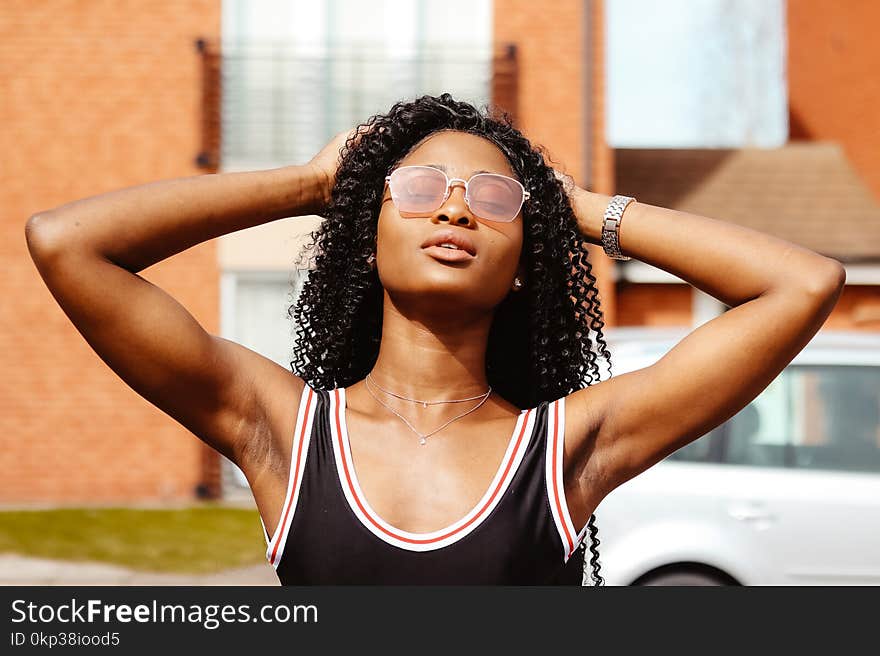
[308,410]
[554,451]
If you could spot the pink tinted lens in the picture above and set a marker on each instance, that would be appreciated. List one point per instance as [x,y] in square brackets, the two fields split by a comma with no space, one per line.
[418,189]
[494,197]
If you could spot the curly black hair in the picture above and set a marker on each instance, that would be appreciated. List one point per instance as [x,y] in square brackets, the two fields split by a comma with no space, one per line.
[544,342]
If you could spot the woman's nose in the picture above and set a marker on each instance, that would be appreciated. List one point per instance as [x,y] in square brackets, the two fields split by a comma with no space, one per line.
[455,209]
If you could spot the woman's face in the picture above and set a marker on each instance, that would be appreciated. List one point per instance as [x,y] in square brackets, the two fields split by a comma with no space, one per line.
[410,271]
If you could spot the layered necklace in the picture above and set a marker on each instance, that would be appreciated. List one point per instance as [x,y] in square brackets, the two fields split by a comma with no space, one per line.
[423,437]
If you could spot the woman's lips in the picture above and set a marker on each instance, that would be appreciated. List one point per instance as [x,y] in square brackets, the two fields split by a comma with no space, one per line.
[448,254]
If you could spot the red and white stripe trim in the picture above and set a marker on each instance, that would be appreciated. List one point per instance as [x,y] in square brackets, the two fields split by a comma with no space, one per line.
[555,484]
[302,435]
[435,539]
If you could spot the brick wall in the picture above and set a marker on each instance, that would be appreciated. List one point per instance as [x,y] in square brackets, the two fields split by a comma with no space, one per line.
[96,96]
[551,51]
[857,309]
[654,304]
[561,96]
[834,94]
[834,89]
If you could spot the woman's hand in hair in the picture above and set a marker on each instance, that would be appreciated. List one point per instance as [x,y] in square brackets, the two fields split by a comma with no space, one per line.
[588,222]
[326,161]
[568,183]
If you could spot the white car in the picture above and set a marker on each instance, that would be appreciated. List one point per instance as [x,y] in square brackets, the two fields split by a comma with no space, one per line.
[787,492]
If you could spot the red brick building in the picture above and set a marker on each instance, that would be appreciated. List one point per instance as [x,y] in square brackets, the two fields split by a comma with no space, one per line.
[98,97]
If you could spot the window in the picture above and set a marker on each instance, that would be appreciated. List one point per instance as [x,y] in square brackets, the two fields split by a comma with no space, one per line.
[841,429]
[757,434]
[703,449]
[296,72]
[254,305]
[811,417]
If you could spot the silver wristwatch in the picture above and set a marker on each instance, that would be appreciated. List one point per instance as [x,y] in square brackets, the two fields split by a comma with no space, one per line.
[611,226]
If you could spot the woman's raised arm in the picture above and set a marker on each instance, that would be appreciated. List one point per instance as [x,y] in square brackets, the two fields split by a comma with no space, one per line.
[780,295]
[89,253]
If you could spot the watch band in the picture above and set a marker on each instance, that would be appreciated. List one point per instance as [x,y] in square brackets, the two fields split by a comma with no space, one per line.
[611,226]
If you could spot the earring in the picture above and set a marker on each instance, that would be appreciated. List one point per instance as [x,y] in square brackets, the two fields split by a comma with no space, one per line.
[517,283]
[371,259]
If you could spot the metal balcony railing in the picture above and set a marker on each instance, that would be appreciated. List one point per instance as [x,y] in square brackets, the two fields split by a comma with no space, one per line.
[267,105]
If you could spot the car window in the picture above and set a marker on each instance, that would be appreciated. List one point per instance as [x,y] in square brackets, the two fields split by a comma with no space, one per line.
[700,450]
[841,418]
[811,417]
[757,435]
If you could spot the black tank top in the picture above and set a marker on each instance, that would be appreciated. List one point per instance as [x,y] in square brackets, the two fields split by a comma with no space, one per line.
[519,533]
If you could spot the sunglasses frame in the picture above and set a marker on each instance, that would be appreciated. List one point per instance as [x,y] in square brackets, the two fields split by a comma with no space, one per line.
[449,182]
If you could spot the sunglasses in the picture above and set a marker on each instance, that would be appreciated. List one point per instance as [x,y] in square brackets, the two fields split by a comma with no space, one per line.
[490,196]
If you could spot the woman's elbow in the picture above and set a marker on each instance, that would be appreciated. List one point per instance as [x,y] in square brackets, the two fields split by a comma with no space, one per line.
[43,233]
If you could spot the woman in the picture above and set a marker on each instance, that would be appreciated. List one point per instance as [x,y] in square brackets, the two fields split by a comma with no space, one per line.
[446,422]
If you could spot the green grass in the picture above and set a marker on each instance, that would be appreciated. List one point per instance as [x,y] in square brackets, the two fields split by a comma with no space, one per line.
[192,540]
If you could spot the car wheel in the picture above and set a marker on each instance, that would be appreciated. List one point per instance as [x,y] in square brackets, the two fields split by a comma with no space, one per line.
[681,578]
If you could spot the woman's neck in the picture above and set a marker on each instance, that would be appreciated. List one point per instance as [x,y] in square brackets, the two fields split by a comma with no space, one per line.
[434,356]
